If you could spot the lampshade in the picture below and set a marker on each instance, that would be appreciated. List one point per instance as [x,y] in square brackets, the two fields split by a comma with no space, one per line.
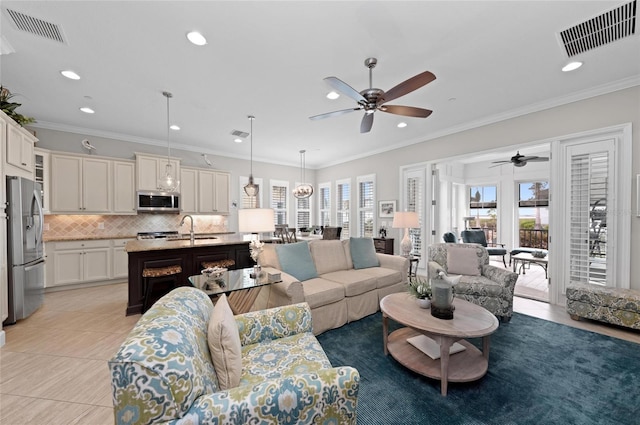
[251,189]
[168,182]
[256,220]
[303,190]
[405,220]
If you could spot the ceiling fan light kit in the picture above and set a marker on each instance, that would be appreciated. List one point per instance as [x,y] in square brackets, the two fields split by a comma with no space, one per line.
[303,190]
[373,99]
[251,189]
[168,182]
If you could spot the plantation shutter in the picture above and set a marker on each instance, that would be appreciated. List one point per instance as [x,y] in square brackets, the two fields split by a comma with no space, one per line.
[589,189]
[279,193]
[344,199]
[303,213]
[414,195]
[366,190]
[325,205]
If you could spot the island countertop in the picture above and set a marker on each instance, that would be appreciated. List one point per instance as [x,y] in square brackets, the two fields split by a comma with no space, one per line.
[166,244]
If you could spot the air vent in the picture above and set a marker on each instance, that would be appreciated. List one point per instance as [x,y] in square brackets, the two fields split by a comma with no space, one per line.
[239,133]
[605,28]
[36,26]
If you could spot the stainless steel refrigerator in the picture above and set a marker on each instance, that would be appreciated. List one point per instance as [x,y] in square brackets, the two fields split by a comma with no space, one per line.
[25,249]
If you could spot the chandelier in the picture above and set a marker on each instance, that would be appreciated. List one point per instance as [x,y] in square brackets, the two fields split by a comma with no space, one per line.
[168,182]
[303,190]
[250,188]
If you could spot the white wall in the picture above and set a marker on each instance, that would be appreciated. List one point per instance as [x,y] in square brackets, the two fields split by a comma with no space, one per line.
[598,112]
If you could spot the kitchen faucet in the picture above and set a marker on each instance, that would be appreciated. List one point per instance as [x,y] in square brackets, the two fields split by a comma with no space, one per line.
[191,234]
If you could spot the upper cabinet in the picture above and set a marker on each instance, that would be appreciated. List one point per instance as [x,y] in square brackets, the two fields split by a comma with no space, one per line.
[150,168]
[91,185]
[19,147]
[204,191]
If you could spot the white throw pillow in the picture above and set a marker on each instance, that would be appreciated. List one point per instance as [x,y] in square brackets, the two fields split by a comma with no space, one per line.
[463,261]
[224,344]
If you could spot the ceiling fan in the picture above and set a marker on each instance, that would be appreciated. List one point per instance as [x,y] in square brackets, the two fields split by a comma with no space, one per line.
[373,99]
[520,160]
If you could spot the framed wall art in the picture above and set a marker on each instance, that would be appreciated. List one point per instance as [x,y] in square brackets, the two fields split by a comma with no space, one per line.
[386,209]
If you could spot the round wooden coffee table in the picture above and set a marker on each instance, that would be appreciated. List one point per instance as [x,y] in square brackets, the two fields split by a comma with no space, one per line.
[469,321]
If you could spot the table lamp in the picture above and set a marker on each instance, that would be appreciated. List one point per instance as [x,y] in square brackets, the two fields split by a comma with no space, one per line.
[405,220]
[256,220]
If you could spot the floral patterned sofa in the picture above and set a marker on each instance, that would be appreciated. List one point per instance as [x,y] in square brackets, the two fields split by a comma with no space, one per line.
[611,305]
[163,372]
[491,287]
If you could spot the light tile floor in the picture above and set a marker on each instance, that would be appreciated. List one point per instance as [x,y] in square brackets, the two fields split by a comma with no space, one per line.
[53,368]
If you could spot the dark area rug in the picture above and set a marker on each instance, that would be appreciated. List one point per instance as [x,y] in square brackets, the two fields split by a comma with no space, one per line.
[540,372]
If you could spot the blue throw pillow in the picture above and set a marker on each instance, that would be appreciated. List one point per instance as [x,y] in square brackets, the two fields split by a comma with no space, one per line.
[295,259]
[363,253]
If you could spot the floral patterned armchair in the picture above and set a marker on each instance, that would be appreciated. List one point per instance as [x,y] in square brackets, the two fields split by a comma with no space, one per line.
[492,288]
[163,372]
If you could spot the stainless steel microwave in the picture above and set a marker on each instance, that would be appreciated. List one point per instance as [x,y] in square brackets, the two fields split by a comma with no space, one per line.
[158,202]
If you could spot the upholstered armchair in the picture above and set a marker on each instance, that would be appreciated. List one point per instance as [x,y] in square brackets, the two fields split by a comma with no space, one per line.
[482,284]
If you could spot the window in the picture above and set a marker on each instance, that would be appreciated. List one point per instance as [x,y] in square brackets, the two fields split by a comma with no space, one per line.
[414,186]
[483,203]
[343,200]
[533,214]
[303,212]
[279,194]
[250,201]
[324,194]
[366,205]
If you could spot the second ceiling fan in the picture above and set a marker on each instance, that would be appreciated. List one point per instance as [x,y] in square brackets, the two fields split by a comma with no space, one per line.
[520,160]
[373,99]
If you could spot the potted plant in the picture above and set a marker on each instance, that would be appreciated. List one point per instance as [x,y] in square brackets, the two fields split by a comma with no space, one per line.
[420,289]
[9,108]
[305,231]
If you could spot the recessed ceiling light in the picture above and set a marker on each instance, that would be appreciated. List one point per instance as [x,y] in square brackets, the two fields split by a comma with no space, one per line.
[571,66]
[87,110]
[70,74]
[174,127]
[196,38]
[402,124]
[237,140]
[332,95]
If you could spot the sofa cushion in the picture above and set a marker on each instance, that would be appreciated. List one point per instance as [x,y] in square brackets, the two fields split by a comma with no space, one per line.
[355,282]
[363,253]
[319,292]
[268,257]
[295,259]
[224,345]
[462,261]
[384,276]
[328,256]
[480,286]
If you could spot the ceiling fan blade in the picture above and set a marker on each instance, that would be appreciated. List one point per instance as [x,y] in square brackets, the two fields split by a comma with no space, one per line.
[345,89]
[409,111]
[367,123]
[537,159]
[333,114]
[408,86]
[502,162]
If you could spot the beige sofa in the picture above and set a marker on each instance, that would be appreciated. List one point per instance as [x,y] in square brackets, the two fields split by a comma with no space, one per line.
[340,294]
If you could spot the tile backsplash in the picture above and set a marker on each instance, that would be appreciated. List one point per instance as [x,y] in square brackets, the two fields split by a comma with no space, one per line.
[63,226]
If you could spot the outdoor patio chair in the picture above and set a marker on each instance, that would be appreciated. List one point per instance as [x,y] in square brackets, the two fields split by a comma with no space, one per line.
[478,236]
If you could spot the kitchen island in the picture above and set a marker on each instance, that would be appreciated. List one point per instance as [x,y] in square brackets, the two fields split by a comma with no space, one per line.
[184,253]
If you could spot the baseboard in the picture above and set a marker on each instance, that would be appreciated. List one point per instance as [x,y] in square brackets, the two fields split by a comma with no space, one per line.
[2,340]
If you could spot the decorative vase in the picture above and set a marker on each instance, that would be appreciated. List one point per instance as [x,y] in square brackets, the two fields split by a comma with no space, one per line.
[423,302]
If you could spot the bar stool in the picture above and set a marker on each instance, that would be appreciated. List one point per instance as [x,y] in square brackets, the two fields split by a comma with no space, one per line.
[152,274]
[218,263]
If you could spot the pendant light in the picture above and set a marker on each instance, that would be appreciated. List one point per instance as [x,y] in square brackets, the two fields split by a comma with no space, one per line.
[303,190]
[250,188]
[167,182]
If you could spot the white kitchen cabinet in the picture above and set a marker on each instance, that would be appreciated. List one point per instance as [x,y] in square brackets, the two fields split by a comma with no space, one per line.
[213,192]
[18,148]
[80,184]
[124,188]
[120,265]
[189,190]
[42,169]
[77,262]
[150,168]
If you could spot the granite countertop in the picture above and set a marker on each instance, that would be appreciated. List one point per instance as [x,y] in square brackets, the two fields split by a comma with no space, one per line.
[163,244]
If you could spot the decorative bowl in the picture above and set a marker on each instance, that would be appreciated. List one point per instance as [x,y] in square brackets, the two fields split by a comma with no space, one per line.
[539,254]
